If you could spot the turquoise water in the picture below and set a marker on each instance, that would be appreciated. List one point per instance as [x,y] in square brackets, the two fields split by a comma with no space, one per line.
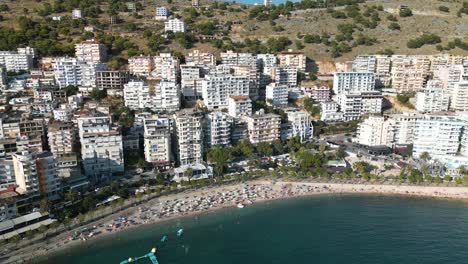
[322,229]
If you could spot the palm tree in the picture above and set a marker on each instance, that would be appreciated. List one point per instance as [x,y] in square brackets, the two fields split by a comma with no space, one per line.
[188,173]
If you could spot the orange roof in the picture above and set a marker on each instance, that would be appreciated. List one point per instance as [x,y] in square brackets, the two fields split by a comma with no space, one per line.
[238,97]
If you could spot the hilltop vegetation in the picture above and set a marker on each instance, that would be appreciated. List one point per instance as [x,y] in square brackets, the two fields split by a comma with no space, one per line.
[337,29]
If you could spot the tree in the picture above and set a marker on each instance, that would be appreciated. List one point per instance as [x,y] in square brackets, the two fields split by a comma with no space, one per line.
[425,156]
[45,205]
[340,154]
[71,90]
[361,166]
[188,173]
[405,12]
[264,149]
[97,94]
[447,178]
[444,9]
[394,26]
[219,156]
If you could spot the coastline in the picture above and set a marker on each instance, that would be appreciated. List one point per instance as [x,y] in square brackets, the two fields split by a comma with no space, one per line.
[262,191]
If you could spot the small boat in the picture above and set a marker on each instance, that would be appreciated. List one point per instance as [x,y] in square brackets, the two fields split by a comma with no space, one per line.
[180,232]
[164,238]
[240,206]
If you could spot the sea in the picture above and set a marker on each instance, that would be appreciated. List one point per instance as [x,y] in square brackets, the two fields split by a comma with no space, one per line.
[360,229]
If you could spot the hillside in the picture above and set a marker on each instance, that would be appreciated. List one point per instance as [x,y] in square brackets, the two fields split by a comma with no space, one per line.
[359,29]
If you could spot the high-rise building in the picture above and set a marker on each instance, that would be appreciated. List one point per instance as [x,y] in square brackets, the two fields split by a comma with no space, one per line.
[91,51]
[277,95]
[189,136]
[216,89]
[219,126]
[166,67]
[293,59]
[162,13]
[299,124]
[157,141]
[433,98]
[20,60]
[62,138]
[460,96]
[239,106]
[263,127]
[197,58]
[353,82]
[141,65]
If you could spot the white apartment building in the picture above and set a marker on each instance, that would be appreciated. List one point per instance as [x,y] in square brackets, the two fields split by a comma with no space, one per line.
[157,140]
[375,131]
[62,138]
[355,105]
[218,129]
[197,58]
[432,98]
[353,82]
[277,95]
[101,147]
[136,95]
[364,63]
[329,112]
[141,65]
[190,81]
[282,75]
[216,89]
[409,72]
[166,97]
[36,174]
[20,60]
[293,59]
[64,113]
[231,58]
[405,125]
[162,13]
[166,67]
[239,106]
[318,93]
[299,124]
[91,51]
[88,71]
[266,60]
[189,135]
[460,96]
[438,135]
[175,25]
[263,127]
[252,73]
[67,71]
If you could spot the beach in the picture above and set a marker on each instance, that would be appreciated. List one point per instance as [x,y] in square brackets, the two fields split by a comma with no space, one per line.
[208,199]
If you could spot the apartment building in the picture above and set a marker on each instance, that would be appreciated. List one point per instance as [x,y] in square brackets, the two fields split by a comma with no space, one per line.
[77,13]
[162,13]
[189,137]
[329,112]
[101,147]
[112,81]
[355,105]
[141,65]
[62,138]
[190,81]
[375,131]
[218,129]
[263,127]
[409,73]
[353,82]
[231,58]
[88,72]
[158,141]
[36,174]
[276,95]
[216,89]
[433,98]
[136,95]
[175,25]
[239,106]
[282,75]
[166,97]
[20,60]
[318,93]
[293,59]
[252,73]
[197,58]
[91,51]
[438,135]
[299,125]
[166,67]
[266,61]
[459,100]
[67,71]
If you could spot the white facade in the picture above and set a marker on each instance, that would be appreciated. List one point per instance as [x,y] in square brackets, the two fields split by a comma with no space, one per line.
[157,140]
[216,89]
[189,135]
[282,75]
[218,131]
[433,98]
[300,124]
[353,82]
[460,96]
[239,106]
[190,81]
[175,25]
[77,13]
[91,51]
[263,127]
[166,67]
[437,135]
[293,59]
[166,96]
[67,71]
[136,95]
[277,95]
[141,65]
[375,131]
[16,61]
[198,58]
[101,147]
[230,58]
[162,13]
[355,105]
[61,138]
[329,112]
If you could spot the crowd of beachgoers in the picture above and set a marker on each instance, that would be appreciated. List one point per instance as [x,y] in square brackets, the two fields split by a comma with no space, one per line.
[207,199]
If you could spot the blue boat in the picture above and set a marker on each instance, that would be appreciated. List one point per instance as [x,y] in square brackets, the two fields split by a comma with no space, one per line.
[164,238]
[180,232]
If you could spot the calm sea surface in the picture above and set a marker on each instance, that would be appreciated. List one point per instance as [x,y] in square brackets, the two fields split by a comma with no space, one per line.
[323,229]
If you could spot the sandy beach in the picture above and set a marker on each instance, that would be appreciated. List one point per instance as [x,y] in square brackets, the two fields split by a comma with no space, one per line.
[208,199]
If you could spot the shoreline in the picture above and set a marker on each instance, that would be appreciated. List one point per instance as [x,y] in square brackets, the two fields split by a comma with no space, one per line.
[211,199]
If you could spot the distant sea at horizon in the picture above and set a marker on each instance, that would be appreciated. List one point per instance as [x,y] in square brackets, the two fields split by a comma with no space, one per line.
[348,229]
